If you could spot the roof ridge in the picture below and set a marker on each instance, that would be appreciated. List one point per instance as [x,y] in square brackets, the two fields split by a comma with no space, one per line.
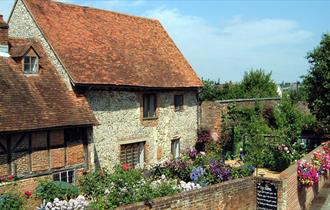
[104,10]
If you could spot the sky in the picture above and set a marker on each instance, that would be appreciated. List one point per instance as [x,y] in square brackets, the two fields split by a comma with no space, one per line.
[223,39]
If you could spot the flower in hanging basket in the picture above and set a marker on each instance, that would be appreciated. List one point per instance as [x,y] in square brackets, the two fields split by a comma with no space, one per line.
[307,173]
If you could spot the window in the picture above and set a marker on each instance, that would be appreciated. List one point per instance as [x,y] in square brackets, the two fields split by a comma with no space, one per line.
[64,176]
[178,102]
[175,148]
[149,106]
[30,65]
[132,154]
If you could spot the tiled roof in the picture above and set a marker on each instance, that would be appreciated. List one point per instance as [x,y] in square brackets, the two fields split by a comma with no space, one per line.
[39,101]
[108,48]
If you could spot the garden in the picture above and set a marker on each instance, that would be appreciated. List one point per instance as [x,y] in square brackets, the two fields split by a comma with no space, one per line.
[259,136]
[103,189]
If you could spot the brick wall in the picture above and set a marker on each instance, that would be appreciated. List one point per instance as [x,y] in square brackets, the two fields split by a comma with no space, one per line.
[211,112]
[232,195]
[295,197]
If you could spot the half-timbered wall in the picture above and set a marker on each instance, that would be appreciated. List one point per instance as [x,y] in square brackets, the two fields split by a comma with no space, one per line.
[33,153]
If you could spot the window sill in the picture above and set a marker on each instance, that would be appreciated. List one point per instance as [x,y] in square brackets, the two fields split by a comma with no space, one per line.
[150,118]
[179,110]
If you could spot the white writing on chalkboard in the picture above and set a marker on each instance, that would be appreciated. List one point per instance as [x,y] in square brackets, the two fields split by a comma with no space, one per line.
[266,195]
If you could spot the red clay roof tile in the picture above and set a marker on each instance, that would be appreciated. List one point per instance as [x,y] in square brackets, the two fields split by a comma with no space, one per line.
[38,101]
[108,48]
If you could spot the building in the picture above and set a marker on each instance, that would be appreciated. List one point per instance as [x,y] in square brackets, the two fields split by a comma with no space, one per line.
[140,87]
[44,127]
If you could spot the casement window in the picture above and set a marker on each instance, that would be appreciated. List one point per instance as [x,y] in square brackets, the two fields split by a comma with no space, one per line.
[178,102]
[132,154]
[64,176]
[31,64]
[175,148]
[149,106]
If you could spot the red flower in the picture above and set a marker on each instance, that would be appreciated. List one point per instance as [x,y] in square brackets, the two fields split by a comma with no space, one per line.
[3,178]
[28,194]
[126,166]
[11,178]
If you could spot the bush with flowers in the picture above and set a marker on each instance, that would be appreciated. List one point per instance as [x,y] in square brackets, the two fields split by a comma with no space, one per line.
[108,190]
[11,197]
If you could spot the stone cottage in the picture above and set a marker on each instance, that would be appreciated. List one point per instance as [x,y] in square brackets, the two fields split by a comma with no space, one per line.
[44,126]
[140,87]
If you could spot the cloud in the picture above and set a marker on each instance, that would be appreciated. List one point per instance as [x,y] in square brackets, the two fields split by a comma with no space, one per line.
[225,51]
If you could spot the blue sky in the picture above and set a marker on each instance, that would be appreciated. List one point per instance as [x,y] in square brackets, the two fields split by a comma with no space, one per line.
[223,39]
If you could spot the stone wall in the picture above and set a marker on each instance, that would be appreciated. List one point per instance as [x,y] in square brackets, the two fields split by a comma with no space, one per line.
[23,25]
[120,117]
[213,111]
[239,194]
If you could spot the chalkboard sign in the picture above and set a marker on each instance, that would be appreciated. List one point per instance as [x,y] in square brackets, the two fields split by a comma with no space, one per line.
[266,195]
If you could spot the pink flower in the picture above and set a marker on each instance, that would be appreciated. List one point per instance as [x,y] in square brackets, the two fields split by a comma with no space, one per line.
[126,166]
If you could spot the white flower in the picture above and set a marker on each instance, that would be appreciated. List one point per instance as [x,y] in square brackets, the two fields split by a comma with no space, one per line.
[107,192]
[163,177]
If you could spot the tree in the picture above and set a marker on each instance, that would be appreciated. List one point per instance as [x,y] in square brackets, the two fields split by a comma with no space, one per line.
[317,81]
[258,84]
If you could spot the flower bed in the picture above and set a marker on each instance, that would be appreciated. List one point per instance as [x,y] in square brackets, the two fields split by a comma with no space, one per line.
[126,185]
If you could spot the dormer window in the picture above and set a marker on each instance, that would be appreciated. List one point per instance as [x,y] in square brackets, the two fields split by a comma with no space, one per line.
[31,65]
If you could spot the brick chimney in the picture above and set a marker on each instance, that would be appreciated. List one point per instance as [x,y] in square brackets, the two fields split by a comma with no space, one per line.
[3,36]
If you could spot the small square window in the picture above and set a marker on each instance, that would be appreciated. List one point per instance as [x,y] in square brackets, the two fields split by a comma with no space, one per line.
[132,154]
[178,102]
[64,176]
[175,148]
[31,65]
[149,106]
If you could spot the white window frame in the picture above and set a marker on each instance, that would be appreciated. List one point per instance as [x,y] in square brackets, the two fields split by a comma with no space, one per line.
[33,69]
[60,174]
[175,148]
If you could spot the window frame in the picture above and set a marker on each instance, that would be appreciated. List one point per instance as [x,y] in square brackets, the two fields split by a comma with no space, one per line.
[175,148]
[61,175]
[141,147]
[178,107]
[32,69]
[144,111]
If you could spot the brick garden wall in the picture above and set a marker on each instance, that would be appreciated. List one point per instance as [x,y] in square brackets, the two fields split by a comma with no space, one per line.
[240,194]
[232,195]
[211,112]
[295,197]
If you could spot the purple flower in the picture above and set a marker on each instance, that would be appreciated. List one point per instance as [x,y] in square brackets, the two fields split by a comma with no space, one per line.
[192,153]
[196,173]
[219,170]
[204,137]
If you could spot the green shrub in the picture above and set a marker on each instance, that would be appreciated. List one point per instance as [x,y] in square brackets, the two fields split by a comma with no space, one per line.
[49,190]
[242,171]
[110,190]
[11,201]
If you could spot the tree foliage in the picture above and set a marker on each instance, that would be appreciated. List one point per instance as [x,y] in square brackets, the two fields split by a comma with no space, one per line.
[255,84]
[317,81]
